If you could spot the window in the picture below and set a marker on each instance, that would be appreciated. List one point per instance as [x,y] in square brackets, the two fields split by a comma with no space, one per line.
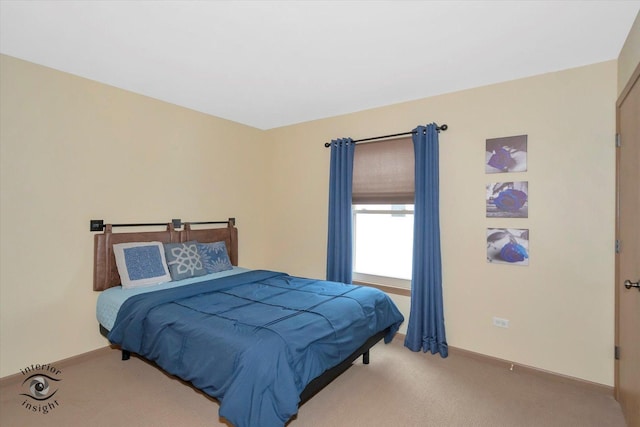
[383,244]
[383,192]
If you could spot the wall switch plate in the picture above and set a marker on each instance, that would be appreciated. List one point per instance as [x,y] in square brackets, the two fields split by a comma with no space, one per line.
[96,225]
[500,322]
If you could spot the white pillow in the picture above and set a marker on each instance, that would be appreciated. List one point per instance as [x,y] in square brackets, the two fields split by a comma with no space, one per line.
[141,264]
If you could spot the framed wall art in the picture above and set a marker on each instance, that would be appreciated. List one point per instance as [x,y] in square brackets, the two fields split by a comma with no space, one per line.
[508,246]
[506,154]
[507,199]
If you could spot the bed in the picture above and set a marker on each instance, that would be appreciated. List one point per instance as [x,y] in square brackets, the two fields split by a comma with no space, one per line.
[261,342]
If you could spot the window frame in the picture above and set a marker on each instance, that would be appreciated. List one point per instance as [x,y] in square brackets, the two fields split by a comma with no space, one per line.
[394,285]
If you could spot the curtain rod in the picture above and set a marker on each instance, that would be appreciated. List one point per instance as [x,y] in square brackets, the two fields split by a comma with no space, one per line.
[438,128]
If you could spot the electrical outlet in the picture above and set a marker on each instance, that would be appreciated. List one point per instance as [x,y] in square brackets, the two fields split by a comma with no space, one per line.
[500,323]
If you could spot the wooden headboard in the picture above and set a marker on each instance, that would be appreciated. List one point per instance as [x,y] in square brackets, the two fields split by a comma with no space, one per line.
[105,271]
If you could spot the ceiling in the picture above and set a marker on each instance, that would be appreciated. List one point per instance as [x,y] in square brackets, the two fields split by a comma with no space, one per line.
[268,64]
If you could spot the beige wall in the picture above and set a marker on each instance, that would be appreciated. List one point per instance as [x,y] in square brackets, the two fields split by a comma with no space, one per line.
[73,150]
[629,55]
[560,307]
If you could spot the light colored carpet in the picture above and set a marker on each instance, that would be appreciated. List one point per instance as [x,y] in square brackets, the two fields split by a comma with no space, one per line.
[398,388]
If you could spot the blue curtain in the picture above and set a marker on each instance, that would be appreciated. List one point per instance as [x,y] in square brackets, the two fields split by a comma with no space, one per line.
[425,330]
[339,244]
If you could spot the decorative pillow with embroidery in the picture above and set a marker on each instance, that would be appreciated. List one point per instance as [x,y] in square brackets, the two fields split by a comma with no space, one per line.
[183,260]
[214,256]
[141,264]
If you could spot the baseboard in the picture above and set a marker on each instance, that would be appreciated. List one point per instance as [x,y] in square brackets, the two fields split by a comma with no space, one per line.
[514,366]
[60,364]
[397,339]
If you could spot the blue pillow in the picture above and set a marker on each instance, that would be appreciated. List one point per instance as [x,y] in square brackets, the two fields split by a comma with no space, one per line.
[141,264]
[184,260]
[214,257]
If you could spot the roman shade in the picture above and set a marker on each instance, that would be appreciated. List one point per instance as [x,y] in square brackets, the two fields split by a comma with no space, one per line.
[383,172]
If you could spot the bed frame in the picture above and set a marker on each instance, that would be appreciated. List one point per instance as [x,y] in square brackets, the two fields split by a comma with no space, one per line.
[105,271]
[105,276]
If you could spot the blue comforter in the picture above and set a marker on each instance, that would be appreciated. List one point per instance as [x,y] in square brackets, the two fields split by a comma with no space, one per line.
[255,340]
